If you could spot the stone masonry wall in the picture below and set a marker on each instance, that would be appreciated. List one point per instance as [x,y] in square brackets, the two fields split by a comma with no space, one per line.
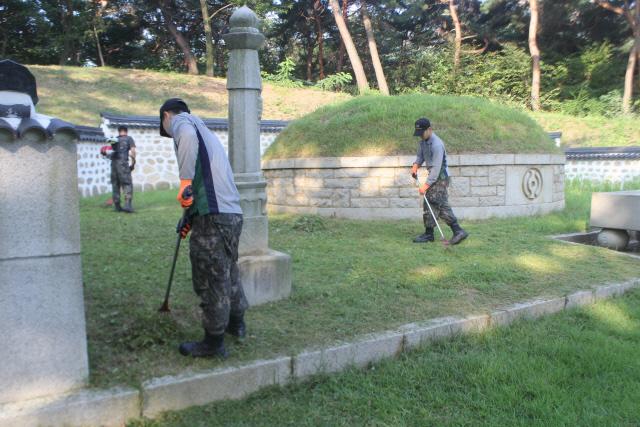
[381,187]
[156,166]
[619,171]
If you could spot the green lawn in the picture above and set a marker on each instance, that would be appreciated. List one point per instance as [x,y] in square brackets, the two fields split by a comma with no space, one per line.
[79,94]
[349,279]
[579,367]
[593,131]
[379,125]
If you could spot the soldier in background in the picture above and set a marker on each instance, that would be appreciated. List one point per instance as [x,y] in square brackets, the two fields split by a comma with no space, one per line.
[119,152]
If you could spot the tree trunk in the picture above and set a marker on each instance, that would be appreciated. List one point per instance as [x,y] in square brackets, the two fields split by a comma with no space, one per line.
[453,10]
[208,37]
[358,69]
[66,12]
[535,56]
[341,52]
[310,46]
[181,40]
[317,10]
[628,80]
[95,32]
[373,49]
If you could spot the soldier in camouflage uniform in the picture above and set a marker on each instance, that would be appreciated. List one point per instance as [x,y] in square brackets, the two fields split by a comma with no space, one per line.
[122,147]
[431,151]
[215,219]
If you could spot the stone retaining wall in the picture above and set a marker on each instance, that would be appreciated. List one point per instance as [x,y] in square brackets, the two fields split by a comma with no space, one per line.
[603,170]
[482,186]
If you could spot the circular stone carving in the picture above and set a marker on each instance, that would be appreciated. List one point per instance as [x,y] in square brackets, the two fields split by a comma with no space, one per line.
[532,184]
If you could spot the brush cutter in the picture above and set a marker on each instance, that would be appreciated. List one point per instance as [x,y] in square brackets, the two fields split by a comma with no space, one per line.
[445,242]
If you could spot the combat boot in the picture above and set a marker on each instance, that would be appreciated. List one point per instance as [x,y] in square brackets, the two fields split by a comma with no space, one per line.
[127,206]
[236,326]
[458,234]
[427,236]
[211,346]
[117,207]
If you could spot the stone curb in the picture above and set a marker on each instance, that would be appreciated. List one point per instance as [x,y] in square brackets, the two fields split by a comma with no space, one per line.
[116,406]
[113,407]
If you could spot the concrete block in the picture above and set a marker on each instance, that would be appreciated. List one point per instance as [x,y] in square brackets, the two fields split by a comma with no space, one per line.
[351,173]
[382,172]
[537,308]
[580,298]
[333,359]
[533,159]
[464,201]
[376,347]
[265,277]
[460,186]
[478,181]
[484,191]
[42,299]
[497,175]
[112,407]
[422,333]
[470,324]
[178,392]
[342,182]
[615,290]
[319,173]
[318,163]
[404,203]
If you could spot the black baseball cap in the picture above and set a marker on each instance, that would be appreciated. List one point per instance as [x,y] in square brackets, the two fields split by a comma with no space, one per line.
[422,124]
[172,105]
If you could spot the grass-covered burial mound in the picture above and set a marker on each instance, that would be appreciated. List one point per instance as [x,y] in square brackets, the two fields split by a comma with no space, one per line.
[383,125]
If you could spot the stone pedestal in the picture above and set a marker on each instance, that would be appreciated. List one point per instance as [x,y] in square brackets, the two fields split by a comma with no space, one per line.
[266,274]
[43,345]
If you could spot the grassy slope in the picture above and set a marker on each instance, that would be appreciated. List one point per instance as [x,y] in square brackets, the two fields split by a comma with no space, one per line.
[79,94]
[595,131]
[348,279]
[377,125]
[579,367]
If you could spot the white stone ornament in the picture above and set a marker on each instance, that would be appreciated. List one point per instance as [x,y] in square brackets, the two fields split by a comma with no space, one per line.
[532,183]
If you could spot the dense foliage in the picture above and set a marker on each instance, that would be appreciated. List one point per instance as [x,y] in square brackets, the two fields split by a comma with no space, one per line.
[584,46]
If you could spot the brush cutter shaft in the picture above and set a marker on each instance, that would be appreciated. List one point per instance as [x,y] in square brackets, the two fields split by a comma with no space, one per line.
[165,304]
[430,210]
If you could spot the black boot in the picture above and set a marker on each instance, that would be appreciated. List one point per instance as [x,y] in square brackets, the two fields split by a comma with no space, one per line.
[426,237]
[458,234]
[236,326]
[127,206]
[117,207]
[211,346]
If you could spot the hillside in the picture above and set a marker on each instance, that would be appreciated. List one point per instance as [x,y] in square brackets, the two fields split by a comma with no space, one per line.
[79,94]
[378,125]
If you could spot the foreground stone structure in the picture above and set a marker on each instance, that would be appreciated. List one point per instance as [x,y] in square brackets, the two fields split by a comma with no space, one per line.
[43,342]
[265,274]
[482,186]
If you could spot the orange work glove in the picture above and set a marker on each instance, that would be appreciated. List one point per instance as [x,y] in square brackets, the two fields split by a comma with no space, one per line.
[423,188]
[184,226]
[414,171]
[185,194]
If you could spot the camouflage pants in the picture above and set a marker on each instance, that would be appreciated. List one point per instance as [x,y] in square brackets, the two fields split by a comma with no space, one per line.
[121,177]
[439,200]
[214,264]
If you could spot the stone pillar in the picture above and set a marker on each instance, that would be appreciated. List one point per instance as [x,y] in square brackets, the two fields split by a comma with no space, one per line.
[43,345]
[266,274]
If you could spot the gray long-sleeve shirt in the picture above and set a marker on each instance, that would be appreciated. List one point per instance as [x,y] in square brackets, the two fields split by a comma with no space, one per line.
[206,163]
[432,152]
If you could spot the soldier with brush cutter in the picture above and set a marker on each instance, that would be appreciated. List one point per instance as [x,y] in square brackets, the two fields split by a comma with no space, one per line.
[209,194]
[436,204]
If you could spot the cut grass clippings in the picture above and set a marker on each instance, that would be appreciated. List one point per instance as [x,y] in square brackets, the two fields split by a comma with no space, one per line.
[383,125]
[578,367]
[349,278]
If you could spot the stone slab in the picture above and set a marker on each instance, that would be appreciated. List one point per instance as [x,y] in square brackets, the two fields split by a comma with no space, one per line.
[43,199]
[485,159]
[537,308]
[178,392]
[515,193]
[54,358]
[580,298]
[108,408]
[615,290]
[417,334]
[265,277]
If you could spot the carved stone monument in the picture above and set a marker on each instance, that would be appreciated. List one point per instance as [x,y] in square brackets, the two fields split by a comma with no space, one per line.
[43,345]
[265,273]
